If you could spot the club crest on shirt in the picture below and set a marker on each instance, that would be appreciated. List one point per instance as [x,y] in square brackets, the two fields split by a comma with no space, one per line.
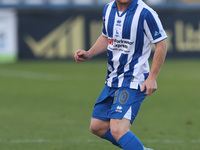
[117,32]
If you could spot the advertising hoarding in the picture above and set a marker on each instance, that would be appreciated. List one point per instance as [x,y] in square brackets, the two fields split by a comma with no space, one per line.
[8,36]
[58,34]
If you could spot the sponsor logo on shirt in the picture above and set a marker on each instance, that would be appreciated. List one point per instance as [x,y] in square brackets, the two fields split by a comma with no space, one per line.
[120,45]
[111,41]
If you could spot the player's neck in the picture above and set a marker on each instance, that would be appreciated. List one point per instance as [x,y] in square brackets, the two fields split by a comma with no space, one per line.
[123,6]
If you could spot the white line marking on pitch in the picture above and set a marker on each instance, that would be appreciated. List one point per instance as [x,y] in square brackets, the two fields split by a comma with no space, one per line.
[21,141]
[29,75]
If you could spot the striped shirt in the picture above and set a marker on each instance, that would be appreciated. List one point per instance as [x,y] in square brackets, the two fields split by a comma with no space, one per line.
[131,35]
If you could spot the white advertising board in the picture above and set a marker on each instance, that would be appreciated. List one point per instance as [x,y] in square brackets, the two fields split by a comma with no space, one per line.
[8,36]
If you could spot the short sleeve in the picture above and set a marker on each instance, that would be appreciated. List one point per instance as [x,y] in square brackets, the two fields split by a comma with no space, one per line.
[104,32]
[153,28]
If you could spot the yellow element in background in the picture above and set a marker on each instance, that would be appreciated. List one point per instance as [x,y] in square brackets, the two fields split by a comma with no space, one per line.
[169,40]
[95,31]
[187,38]
[62,42]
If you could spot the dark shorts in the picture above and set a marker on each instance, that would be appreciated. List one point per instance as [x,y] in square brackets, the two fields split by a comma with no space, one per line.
[118,103]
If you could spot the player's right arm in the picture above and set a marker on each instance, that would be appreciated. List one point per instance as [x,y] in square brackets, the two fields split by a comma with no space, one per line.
[99,47]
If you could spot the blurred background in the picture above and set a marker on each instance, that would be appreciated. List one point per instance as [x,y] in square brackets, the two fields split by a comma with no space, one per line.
[46,99]
[54,29]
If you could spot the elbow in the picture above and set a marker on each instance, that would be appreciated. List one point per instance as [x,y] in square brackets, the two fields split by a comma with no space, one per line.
[165,47]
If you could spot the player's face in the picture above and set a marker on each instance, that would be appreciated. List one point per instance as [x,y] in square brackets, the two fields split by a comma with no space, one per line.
[124,1]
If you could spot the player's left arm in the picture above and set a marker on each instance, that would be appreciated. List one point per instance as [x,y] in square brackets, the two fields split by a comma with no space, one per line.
[158,59]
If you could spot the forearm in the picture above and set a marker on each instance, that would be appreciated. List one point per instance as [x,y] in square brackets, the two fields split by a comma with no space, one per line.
[158,59]
[99,47]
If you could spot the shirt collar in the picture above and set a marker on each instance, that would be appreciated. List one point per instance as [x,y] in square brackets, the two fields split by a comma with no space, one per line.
[130,7]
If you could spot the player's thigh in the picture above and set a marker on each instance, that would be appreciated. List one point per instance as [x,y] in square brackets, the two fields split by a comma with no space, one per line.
[99,127]
[103,104]
[126,104]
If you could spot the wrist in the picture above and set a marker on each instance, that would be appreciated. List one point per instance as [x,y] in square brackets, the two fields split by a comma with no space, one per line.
[90,55]
[153,77]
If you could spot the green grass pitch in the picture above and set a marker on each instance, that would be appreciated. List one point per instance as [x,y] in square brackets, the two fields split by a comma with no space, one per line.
[47,106]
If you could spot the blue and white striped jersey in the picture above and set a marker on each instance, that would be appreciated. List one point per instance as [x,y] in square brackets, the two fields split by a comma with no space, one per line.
[131,35]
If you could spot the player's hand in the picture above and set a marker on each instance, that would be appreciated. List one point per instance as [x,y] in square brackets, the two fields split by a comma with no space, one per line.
[150,85]
[81,56]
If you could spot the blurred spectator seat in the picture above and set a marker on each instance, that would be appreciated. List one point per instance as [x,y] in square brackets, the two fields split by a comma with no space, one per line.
[191,1]
[83,2]
[53,2]
[10,2]
[35,2]
[59,2]
[155,1]
[103,1]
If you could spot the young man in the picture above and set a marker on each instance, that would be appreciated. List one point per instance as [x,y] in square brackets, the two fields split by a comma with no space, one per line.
[130,29]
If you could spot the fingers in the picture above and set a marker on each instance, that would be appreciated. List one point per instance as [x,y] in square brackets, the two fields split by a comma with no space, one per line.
[149,91]
[80,56]
[143,87]
[150,88]
[80,53]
